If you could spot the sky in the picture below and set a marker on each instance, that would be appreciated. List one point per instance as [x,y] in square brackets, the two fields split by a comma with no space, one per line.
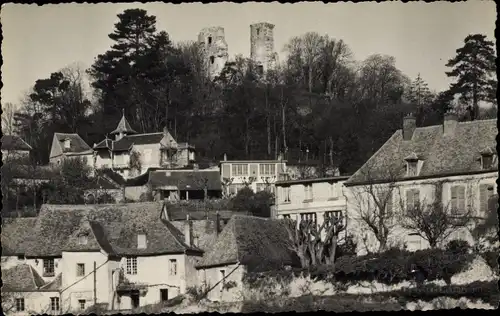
[39,40]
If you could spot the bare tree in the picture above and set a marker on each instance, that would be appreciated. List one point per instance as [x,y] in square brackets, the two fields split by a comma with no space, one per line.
[226,182]
[8,110]
[313,243]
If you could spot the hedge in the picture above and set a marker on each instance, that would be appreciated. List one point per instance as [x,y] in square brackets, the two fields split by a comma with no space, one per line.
[385,301]
[390,267]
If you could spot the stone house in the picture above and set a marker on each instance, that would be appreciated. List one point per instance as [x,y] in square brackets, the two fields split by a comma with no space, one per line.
[70,146]
[14,147]
[102,254]
[131,153]
[455,163]
[258,175]
[245,244]
[313,199]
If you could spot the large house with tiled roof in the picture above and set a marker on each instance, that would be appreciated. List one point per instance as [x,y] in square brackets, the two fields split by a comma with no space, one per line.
[118,246]
[455,164]
[186,184]
[68,146]
[131,153]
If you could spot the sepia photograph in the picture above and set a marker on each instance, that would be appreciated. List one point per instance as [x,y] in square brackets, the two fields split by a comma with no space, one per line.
[249,157]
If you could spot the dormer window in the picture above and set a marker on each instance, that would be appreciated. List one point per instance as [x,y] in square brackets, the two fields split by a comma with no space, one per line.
[67,143]
[413,165]
[82,240]
[141,241]
[487,158]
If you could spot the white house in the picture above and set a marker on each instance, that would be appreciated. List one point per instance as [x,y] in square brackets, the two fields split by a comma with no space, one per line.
[310,199]
[100,254]
[132,154]
[455,163]
[68,146]
[258,175]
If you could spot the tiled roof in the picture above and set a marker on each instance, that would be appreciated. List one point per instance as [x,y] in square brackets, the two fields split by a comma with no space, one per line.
[251,241]
[113,227]
[203,230]
[127,141]
[186,180]
[77,144]
[458,153]
[13,142]
[100,182]
[21,278]
[104,144]
[123,127]
[15,232]
[179,212]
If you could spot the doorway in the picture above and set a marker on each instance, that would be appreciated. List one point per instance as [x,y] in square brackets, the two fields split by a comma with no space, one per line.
[134,299]
[163,295]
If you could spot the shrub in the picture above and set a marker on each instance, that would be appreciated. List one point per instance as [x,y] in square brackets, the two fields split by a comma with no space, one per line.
[197,292]
[458,246]
[491,258]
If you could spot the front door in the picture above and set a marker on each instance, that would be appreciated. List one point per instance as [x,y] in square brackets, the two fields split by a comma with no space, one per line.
[134,298]
[163,295]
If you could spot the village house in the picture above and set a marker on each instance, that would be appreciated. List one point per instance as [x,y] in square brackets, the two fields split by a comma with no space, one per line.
[70,146]
[82,255]
[131,153]
[14,147]
[258,175]
[455,163]
[244,245]
[197,184]
[310,199]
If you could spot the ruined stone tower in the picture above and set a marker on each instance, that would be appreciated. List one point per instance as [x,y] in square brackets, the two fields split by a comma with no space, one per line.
[213,42]
[262,45]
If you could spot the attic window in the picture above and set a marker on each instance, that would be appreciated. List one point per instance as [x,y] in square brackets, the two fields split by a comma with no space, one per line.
[412,165]
[487,160]
[82,239]
[67,143]
[141,241]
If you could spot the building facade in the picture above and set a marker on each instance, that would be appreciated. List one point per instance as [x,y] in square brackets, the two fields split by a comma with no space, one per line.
[70,146]
[453,166]
[262,46]
[212,41]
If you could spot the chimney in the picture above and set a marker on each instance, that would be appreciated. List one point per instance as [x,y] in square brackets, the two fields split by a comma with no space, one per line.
[165,131]
[225,157]
[409,126]
[187,231]
[196,167]
[450,122]
[217,223]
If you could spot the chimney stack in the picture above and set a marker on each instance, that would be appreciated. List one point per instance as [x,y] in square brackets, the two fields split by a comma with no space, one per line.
[217,223]
[196,167]
[165,131]
[450,122]
[225,157]
[165,211]
[187,231]
[409,126]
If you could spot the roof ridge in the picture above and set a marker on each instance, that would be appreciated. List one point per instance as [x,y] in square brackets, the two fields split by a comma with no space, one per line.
[51,282]
[32,270]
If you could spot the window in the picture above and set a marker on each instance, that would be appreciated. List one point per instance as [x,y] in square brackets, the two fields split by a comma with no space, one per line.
[260,69]
[286,194]
[131,266]
[81,304]
[385,201]
[261,187]
[222,278]
[212,59]
[486,192]
[82,239]
[163,295]
[308,191]
[411,167]
[412,199]
[141,241]
[286,216]
[258,31]
[458,199]
[147,155]
[54,304]
[332,214]
[210,40]
[80,269]
[487,161]
[267,169]
[20,304]
[67,143]
[48,267]
[309,217]
[240,170]
[173,267]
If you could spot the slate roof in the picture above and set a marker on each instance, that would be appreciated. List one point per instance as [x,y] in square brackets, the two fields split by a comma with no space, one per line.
[13,142]
[77,144]
[455,154]
[15,232]
[100,182]
[186,180]
[205,230]
[250,241]
[113,228]
[179,212]
[24,278]
[123,127]
[127,141]
[104,144]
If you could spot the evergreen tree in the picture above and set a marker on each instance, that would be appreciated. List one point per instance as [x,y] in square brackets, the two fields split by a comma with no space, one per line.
[474,69]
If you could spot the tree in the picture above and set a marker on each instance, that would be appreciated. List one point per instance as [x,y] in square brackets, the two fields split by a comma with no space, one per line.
[8,111]
[69,185]
[474,69]
[313,243]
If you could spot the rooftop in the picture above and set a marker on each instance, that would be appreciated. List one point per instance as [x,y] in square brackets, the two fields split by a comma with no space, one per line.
[13,142]
[123,127]
[77,144]
[24,278]
[186,179]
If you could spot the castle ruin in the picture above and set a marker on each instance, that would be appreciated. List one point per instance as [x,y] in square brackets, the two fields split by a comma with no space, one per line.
[213,42]
[262,46]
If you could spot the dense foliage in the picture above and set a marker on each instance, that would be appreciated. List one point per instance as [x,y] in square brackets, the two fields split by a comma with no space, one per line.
[257,204]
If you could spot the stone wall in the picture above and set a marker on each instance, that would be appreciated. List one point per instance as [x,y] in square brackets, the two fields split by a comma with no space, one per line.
[215,49]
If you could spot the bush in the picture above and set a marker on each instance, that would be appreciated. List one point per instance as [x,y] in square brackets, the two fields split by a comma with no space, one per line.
[458,246]
[491,258]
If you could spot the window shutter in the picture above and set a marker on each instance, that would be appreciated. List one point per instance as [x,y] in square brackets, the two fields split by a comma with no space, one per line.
[461,198]
[226,171]
[454,196]
[483,197]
